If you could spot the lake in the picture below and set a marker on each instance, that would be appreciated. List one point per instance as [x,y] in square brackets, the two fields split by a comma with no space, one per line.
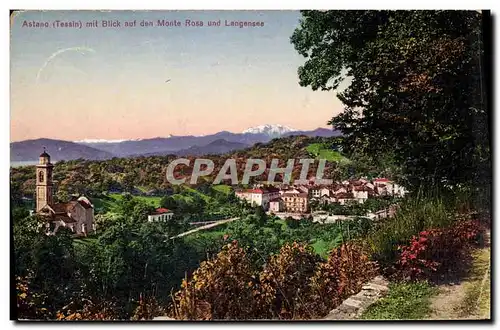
[23,163]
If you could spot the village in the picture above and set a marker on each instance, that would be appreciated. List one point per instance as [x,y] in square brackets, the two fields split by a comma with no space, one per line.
[297,201]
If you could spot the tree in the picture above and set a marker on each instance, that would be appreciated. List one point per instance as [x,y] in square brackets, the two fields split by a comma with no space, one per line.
[168,202]
[62,195]
[416,87]
[141,211]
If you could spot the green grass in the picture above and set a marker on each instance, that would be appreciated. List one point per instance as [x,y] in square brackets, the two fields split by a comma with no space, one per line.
[222,188]
[417,213]
[320,151]
[405,301]
[110,204]
[323,246]
[104,204]
[152,200]
[83,240]
[477,300]
[194,191]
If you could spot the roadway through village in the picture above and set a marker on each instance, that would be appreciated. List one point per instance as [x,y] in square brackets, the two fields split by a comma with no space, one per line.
[211,225]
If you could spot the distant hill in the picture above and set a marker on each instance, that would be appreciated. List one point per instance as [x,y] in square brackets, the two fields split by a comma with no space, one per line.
[174,144]
[321,132]
[29,150]
[224,142]
[216,147]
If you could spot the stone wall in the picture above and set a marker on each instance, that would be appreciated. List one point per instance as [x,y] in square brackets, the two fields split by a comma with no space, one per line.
[354,306]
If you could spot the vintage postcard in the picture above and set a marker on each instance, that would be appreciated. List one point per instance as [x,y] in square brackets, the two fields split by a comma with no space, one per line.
[250,165]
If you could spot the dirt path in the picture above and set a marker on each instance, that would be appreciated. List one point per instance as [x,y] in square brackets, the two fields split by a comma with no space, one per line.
[211,225]
[469,299]
[446,305]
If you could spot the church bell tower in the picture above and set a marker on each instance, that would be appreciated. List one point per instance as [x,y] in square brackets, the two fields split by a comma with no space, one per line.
[44,185]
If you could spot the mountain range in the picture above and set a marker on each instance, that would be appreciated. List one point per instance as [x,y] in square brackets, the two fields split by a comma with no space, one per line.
[218,143]
[29,150]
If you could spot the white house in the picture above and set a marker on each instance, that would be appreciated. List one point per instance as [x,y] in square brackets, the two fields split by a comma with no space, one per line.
[344,198]
[161,214]
[259,196]
[386,187]
[360,193]
[318,192]
[252,196]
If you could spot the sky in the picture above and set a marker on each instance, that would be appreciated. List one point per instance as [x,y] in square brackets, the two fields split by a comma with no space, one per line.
[111,83]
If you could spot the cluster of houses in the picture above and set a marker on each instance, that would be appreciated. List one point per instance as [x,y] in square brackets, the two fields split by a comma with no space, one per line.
[297,199]
[77,214]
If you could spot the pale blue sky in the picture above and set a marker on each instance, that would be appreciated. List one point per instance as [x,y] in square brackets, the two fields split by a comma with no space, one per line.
[222,78]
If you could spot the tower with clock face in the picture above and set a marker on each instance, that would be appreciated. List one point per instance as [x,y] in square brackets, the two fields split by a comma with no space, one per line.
[44,185]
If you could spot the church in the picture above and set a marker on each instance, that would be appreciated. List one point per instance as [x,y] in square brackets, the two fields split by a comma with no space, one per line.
[76,214]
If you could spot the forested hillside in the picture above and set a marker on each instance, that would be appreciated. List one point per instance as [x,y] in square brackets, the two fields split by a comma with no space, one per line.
[148,174]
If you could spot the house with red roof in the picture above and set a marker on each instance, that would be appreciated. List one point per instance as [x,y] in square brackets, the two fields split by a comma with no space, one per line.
[381,181]
[258,196]
[161,214]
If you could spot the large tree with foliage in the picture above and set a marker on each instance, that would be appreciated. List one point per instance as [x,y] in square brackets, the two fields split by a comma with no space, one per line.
[415,87]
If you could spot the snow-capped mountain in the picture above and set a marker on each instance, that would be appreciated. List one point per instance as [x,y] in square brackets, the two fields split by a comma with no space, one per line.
[103,149]
[273,130]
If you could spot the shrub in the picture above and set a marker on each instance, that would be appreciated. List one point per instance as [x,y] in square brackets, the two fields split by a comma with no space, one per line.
[221,288]
[284,283]
[436,250]
[343,274]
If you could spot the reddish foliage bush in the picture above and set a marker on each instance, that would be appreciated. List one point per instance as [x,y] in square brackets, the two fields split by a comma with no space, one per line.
[221,288]
[294,284]
[435,250]
[343,274]
[284,283]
